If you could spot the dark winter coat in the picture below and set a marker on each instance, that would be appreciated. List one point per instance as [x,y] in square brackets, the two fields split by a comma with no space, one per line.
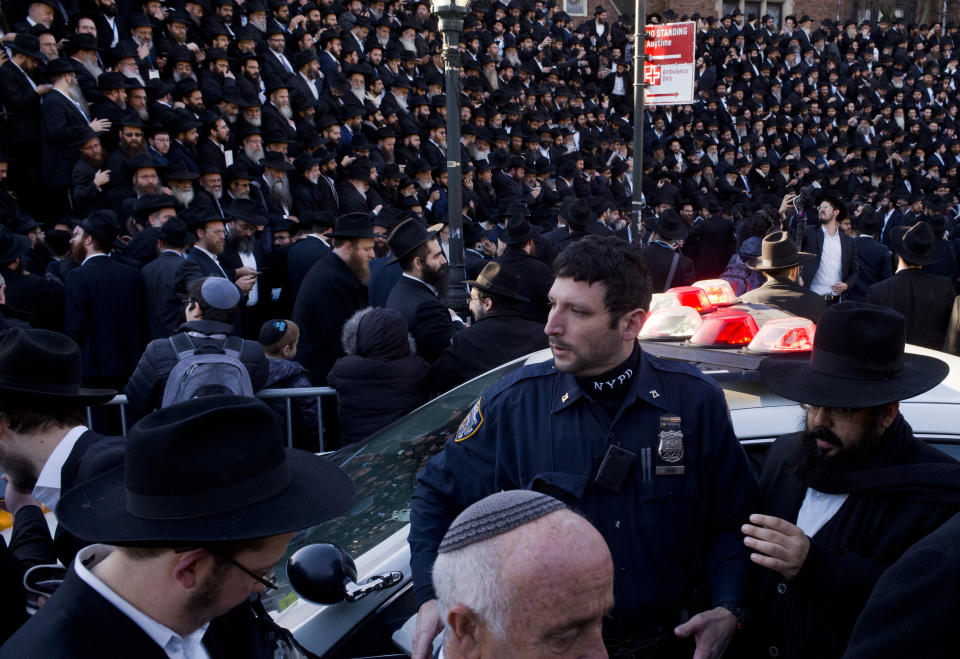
[287,374]
[381,378]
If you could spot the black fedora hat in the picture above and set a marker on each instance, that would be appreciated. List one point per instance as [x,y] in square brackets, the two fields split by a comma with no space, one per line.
[60,66]
[914,244]
[518,231]
[353,225]
[670,225]
[150,203]
[406,237]
[318,219]
[276,160]
[175,232]
[473,232]
[12,245]
[232,480]
[858,360]
[779,251]
[244,210]
[102,225]
[40,365]
[578,213]
[499,279]
[27,44]
[834,201]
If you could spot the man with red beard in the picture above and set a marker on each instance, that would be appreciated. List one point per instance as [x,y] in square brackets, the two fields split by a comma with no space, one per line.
[420,292]
[333,290]
[91,177]
[845,497]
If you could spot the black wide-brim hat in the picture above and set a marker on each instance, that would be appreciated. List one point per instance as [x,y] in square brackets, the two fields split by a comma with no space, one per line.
[232,480]
[12,245]
[353,225]
[39,365]
[670,225]
[914,244]
[406,237]
[858,360]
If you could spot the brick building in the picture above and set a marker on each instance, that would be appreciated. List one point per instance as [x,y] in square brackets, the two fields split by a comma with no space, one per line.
[817,9]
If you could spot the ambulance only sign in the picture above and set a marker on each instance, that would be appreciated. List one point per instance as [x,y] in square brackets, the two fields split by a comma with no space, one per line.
[669,69]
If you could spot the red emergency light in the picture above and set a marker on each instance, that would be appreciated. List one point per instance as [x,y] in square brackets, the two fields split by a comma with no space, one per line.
[693,297]
[726,327]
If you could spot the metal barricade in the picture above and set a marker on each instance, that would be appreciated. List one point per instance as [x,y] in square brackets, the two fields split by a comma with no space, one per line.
[287,394]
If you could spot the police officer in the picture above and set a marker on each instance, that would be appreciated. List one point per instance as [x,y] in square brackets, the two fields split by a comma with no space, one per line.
[643,448]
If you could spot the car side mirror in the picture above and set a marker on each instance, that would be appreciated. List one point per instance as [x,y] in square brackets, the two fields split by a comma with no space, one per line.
[325,574]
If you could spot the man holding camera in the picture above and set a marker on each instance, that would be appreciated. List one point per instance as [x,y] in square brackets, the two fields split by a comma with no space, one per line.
[835,269]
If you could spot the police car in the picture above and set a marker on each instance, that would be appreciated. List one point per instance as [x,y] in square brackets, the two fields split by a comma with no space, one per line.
[703,324]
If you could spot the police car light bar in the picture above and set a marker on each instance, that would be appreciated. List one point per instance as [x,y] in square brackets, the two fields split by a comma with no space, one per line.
[661,301]
[672,323]
[719,291]
[726,327]
[784,335]
[693,297]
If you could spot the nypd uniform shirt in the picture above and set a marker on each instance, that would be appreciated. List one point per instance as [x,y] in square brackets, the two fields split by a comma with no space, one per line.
[674,524]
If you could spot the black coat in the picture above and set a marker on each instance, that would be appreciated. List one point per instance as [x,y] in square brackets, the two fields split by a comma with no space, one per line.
[106,315]
[427,318]
[788,296]
[380,366]
[659,259]
[328,296]
[536,278]
[813,243]
[209,153]
[164,306]
[78,622]
[40,297]
[913,609]
[63,124]
[23,104]
[813,615]
[302,256]
[925,300]
[144,390]
[873,260]
[493,340]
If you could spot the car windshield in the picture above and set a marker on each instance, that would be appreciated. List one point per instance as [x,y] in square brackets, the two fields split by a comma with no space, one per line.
[384,468]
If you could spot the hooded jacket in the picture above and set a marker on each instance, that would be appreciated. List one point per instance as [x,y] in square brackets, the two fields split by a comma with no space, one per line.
[381,378]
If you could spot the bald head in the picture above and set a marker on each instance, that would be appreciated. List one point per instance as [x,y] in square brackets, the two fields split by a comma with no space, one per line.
[540,589]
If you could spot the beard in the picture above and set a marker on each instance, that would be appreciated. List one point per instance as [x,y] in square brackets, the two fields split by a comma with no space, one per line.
[130,153]
[178,76]
[79,252]
[254,153]
[408,44]
[280,192]
[92,68]
[401,102]
[216,194]
[184,196]
[437,278]
[815,468]
[359,94]
[231,117]
[285,111]
[381,249]
[492,79]
[242,245]
[22,474]
[97,162]
[360,266]
[260,24]
[76,95]
[254,121]
[141,189]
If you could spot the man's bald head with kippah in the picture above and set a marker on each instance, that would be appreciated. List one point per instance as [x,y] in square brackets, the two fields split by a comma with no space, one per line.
[519,574]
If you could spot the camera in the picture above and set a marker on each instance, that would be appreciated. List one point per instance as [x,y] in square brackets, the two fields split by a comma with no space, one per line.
[806,197]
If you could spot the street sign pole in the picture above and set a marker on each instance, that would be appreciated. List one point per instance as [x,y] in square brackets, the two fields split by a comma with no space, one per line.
[639,57]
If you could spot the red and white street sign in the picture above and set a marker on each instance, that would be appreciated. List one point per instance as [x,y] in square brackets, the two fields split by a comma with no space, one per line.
[669,72]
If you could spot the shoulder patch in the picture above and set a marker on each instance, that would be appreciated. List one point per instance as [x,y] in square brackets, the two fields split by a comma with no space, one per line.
[471,423]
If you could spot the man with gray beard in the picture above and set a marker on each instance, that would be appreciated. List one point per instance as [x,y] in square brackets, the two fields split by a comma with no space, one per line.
[277,185]
[82,49]
[278,113]
[180,182]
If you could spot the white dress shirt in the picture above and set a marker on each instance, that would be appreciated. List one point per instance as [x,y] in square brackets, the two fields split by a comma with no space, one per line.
[172,643]
[47,489]
[817,509]
[830,271]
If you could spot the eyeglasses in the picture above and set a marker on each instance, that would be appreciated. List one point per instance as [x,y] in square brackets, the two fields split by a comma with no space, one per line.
[836,414]
[268,580]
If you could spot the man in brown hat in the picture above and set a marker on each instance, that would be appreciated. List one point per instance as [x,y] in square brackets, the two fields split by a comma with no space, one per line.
[45,446]
[842,499]
[925,300]
[499,333]
[780,262]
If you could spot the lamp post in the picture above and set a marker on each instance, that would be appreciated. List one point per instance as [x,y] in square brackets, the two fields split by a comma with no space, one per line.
[639,59]
[451,13]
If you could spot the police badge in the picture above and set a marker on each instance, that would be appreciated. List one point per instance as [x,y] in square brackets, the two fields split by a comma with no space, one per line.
[471,423]
[670,448]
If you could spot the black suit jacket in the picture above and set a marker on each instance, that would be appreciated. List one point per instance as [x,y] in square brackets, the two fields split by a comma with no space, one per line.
[495,339]
[302,256]
[813,243]
[659,259]
[38,296]
[209,153]
[329,295]
[427,319]
[78,623]
[63,124]
[788,296]
[19,99]
[164,305]
[925,301]
[106,316]
[873,260]
[536,278]
[351,201]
